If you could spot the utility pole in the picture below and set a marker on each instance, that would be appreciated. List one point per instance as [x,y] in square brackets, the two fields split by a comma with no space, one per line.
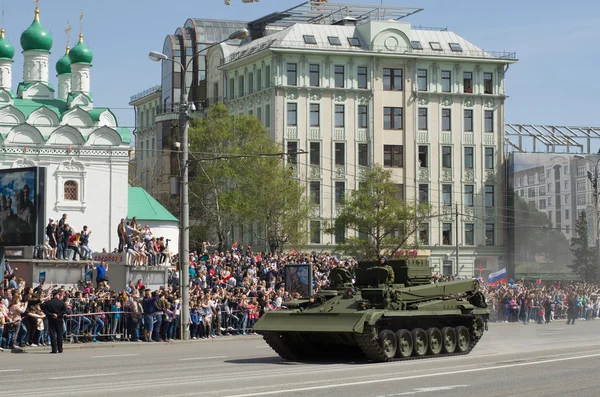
[457,266]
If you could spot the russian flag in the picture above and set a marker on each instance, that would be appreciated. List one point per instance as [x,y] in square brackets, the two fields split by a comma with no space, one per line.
[497,278]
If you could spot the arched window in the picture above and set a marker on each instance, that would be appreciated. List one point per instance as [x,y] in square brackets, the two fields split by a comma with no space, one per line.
[71,192]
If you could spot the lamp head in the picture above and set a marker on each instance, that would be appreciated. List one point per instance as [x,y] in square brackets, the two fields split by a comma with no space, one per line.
[239,34]
[157,56]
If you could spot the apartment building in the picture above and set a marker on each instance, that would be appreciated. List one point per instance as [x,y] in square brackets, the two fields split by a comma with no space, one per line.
[352,92]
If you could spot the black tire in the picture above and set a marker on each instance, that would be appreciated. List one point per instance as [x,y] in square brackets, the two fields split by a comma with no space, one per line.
[435,341]
[463,339]
[448,340]
[420,342]
[404,342]
[387,341]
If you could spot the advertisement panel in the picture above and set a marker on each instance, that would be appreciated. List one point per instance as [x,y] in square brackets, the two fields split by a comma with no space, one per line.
[298,279]
[22,192]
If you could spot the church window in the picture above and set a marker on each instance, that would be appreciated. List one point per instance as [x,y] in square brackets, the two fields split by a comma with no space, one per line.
[70,191]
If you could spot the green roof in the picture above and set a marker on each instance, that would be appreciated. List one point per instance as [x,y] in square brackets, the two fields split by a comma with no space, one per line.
[28,106]
[145,208]
[125,134]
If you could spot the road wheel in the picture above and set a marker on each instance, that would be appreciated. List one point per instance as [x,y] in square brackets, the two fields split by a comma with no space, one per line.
[405,343]
[463,339]
[449,339]
[478,327]
[387,341]
[419,342]
[435,340]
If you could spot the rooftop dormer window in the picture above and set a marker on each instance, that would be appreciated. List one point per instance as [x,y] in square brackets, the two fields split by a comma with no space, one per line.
[435,46]
[455,47]
[416,45]
[309,39]
[354,41]
[334,40]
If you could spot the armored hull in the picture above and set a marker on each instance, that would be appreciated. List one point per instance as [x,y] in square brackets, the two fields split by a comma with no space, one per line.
[377,320]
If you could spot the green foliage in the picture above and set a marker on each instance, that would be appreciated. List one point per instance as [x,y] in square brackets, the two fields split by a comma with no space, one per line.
[240,178]
[381,219]
[584,261]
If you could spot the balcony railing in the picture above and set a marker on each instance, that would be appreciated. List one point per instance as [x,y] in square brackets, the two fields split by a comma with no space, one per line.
[144,93]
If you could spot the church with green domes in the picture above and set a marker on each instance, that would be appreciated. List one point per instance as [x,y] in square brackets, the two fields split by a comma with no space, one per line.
[55,125]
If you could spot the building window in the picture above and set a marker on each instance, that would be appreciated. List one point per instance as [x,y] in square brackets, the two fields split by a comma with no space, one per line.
[267,76]
[487,83]
[489,195]
[447,234]
[423,193]
[400,191]
[469,234]
[567,214]
[489,121]
[259,113]
[468,120]
[446,157]
[362,77]
[531,192]
[315,153]
[392,118]
[334,40]
[581,170]
[580,200]
[292,114]
[446,195]
[489,234]
[423,157]
[292,74]
[362,116]
[250,83]
[340,233]
[542,191]
[267,115]
[447,268]
[422,80]
[314,75]
[542,204]
[363,154]
[315,111]
[530,179]
[340,191]
[292,151]
[241,86]
[446,119]
[71,192]
[339,116]
[424,233]
[258,79]
[446,81]
[231,88]
[315,232]
[354,41]
[392,79]
[315,193]
[489,158]
[468,82]
[468,196]
[580,185]
[309,39]
[340,153]
[393,156]
[468,158]
[339,76]
[423,119]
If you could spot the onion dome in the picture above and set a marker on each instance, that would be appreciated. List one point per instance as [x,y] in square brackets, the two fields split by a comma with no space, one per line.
[36,37]
[7,51]
[63,66]
[81,53]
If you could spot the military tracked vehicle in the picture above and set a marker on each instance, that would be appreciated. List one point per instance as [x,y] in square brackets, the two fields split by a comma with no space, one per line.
[388,313]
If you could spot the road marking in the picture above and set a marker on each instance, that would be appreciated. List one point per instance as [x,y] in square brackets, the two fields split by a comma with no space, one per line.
[262,347]
[425,390]
[10,370]
[201,358]
[368,382]
[115,355]
[81,376]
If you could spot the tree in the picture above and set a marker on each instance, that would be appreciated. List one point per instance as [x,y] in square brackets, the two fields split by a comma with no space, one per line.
[380,219]
[584,261]
[238,176]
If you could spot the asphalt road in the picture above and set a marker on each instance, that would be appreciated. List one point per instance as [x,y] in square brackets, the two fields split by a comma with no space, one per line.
[510,360]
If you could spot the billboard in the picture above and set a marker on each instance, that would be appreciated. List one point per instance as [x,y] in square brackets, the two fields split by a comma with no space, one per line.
[547,194]
[22,192]
[298,279]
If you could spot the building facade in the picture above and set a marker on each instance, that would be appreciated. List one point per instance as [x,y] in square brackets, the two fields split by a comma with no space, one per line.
[84,151]
[426,104]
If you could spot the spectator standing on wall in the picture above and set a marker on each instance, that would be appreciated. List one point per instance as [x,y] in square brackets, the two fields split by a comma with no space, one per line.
[101,270]
[64,242]
[122,235]
[84,237]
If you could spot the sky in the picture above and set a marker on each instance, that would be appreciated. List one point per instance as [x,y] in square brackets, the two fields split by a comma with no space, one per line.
[555,80]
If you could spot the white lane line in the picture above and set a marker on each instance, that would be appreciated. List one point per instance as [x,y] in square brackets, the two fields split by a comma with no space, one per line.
[262,347]
[368,382]
[10,370]
[200,358]
[115,355]
[81,376]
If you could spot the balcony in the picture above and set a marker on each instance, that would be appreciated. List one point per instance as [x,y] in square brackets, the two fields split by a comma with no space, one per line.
[339,134]
[291,132]
[314,133]
[446,137]
[488,139]
[468,138]
[422,137]
[362,135]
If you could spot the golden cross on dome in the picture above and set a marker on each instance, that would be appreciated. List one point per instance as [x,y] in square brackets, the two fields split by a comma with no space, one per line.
[81,22]
[37,10]
[68,32]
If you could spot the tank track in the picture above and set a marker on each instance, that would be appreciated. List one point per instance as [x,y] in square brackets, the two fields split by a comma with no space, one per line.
[367,341]
[284,350]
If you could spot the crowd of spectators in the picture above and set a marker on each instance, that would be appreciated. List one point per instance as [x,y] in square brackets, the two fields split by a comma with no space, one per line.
[143,247]
[229,292]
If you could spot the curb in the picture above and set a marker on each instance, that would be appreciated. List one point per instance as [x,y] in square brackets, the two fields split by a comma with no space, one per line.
[109,345]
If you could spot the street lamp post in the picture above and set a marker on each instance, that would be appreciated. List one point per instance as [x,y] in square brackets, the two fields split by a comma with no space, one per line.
[593,177]
[184,231]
